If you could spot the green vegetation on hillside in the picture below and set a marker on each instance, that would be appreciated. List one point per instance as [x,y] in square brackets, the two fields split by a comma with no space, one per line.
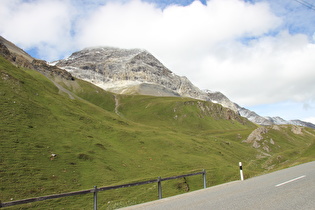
[105,139]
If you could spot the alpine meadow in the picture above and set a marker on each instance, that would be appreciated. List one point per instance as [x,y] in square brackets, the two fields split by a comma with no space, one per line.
[60,134]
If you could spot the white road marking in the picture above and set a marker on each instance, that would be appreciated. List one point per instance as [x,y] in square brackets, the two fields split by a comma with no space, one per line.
[292,180]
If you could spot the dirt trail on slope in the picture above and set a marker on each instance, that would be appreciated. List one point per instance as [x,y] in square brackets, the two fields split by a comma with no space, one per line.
[117,105]
[62,89]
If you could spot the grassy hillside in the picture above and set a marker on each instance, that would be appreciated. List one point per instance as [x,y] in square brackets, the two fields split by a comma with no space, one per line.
[105,139]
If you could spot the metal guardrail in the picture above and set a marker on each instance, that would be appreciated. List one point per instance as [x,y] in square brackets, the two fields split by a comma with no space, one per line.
[95,190]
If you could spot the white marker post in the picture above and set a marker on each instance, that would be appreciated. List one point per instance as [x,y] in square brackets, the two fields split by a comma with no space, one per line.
[241,171]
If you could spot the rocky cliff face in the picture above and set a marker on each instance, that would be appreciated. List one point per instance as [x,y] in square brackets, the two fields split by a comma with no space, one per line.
[220,98]
[132,71]
[15,51]
[20,58]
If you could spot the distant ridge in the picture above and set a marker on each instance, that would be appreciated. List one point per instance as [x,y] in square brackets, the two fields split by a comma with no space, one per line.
[20,58]
[16,50]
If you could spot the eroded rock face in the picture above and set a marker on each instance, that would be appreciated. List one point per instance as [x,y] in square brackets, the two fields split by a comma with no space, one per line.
[105,65]
[259,138]
[13,49]
[125,71]
[44,68]
[20,58]
[256,136]
[16,59]
[218,97]
[253,117]
[297,130]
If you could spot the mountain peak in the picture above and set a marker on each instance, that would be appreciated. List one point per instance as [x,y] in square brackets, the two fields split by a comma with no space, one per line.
[99,54]
[136,71]
[126,70]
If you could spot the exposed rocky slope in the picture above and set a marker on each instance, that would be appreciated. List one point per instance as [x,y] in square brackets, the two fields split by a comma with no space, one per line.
[132,71]
[12,48]
[136,71]
[254,117]
[20,58]
[265,140]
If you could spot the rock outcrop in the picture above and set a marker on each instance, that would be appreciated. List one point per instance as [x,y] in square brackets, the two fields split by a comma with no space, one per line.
[20,58]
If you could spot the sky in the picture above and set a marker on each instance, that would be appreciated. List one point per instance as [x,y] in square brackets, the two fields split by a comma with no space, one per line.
[259,53]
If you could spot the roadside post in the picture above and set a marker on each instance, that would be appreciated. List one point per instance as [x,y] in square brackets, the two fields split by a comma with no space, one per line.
[241,171]
[160,187]
[95,197]
[204,178]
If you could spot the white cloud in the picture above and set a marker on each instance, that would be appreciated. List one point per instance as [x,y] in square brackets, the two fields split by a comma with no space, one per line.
[204,43]
[310,119]
[248,51]
[119,24]
[45,25]
[268,70]
[181,37]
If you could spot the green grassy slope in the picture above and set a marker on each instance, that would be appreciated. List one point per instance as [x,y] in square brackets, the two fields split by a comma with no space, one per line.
[102,139]
[181,114]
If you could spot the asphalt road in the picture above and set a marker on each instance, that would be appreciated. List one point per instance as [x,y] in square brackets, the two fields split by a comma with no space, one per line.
[292,188]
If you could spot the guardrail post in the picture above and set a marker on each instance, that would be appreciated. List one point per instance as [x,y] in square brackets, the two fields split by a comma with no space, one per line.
[159,187]
[204,178]
[95,197]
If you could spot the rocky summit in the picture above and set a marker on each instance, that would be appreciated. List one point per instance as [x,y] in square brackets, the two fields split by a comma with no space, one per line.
[136,71]
[133,71]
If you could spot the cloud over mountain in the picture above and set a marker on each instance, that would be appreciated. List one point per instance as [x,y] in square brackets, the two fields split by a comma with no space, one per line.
[255,52]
